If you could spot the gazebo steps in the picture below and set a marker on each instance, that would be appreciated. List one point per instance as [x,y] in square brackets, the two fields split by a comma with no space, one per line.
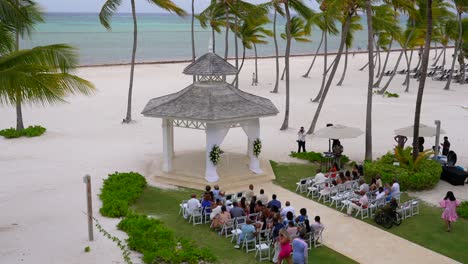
[188,170]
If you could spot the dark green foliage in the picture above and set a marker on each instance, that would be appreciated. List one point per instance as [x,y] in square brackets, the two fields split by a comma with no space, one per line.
[425,176]
[158,243]
[462,210]
[388,94]
[119,191]
[315,156]
[31,131]
[87,249]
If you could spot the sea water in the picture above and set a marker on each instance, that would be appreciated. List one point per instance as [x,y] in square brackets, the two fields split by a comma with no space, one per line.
[161,37]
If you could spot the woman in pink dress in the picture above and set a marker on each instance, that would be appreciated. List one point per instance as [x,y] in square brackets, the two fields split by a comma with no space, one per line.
[450,209]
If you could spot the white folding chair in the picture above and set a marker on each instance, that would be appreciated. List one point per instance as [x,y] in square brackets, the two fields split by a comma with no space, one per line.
[236,232]
[414,207]
[227,227]
[301,185]
[182,208]
[247,243]
[196,217]
[364,211]
[318,240]
[263,245]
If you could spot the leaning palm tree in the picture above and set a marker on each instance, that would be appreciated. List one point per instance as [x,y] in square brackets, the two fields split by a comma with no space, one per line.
[305,12]
[355,26]
[108,10]
[40,75]
[212,17]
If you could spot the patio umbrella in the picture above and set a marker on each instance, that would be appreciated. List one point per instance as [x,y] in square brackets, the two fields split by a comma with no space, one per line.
[338,132]
[424,131]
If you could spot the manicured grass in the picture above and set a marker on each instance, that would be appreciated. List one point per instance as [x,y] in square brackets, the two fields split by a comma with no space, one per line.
[164,204]
[426,229]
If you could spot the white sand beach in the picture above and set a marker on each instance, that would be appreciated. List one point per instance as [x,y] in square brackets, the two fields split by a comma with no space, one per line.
[42,194]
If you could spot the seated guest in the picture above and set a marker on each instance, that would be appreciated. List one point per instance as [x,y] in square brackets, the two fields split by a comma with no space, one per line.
[348,176]
[236,211]
[249,231]
[302,216]
[216,193]
[250,193]
[325,190]
[319,177]
[252,205]
[388,192]
[208,190]
[262,197]
[341,178]
[274,209]
[289,217]
[373,184]
[363,187]
[286,209]
[358,170]
[221,218]
[207,203]
[380,193]
[292,229]
[192,204]
[317,224]
[395,187]
[335,168]
[356,205]
[300,249]
[355,175]
[216,209]
[274,202]
[243,205]
[378,181]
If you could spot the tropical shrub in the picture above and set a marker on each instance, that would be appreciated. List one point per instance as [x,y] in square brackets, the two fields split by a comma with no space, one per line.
[424,175]
[119,191]
[159,244]
[388,94]
[31,131]
[462,210]
[315,156]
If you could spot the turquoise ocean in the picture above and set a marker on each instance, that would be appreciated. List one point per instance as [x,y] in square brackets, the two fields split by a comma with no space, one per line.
[161,37]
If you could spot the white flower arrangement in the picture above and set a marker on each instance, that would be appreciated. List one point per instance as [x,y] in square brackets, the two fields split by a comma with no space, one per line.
[215,154]
[257,147]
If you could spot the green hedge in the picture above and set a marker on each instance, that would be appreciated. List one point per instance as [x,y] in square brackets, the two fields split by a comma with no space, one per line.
[31,131]
[425,177]
[315,156]
[119,191]
[158,243]
[462,210]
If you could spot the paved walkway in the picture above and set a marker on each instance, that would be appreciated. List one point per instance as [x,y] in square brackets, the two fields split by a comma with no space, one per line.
[358,240]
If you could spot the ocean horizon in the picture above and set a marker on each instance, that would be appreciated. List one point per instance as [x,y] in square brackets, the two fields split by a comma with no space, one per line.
[161,37]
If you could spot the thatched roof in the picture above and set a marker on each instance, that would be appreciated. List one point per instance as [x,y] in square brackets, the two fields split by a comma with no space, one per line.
[210,64]
[210,102]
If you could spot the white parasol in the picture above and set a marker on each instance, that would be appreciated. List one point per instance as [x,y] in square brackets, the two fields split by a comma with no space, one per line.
[424,131]
[338,132]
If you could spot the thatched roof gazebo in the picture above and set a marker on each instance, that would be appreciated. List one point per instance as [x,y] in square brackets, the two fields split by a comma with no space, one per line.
[212,105]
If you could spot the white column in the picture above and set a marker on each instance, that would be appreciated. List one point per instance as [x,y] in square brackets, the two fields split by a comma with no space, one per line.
[252,130]
[170,126]
[167,160]
[215,134]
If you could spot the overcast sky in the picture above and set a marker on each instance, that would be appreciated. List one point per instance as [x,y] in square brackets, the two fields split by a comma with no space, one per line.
[142,6]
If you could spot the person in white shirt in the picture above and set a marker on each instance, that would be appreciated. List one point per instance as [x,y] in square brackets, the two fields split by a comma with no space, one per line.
[363,201]
[395,189]
[250,193]
[380,193]
[301,135]
[192,204]
[319,177]
[262,197]
[317,224]
[286,209]
[363,187]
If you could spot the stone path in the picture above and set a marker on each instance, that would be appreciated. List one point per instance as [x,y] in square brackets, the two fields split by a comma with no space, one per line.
[358,240]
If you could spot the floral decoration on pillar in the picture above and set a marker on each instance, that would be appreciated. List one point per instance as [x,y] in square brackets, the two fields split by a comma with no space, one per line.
[257,147]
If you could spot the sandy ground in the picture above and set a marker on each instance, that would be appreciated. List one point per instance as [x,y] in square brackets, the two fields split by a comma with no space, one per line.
[42,194]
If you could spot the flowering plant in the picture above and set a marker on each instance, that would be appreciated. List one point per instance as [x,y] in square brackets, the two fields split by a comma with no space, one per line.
[257,147]
[215,154]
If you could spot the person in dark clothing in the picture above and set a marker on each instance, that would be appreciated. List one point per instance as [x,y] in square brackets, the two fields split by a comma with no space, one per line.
[421,144]
[445,146]
[400,140]
[301,135]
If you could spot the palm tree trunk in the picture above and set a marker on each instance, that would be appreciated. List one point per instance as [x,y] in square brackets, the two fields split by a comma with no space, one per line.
[275,90]
[367,63]
[128,118]
[435,49]
[422,82]
[284,72]
[370,44]
[407,79]
[236,24]
[19,111]
[193,34]
[240,68]
[420,59]
[395,68]
[256,66]
[462,65]
[226,47]
[437,60]
[285,124]
[377,84]
[457,46]
[214,40]
[344,33]
[379,58]
[345,67]
[324,76]
[444,59]
[315,56]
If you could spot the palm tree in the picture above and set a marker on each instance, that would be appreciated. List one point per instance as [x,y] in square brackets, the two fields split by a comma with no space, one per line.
[193,34]
[349,8]
[355,26]
[276,5]
[108,10]
[422,81]
[461,6]
[305,12]
[315,56]
[370,48]
[212,15]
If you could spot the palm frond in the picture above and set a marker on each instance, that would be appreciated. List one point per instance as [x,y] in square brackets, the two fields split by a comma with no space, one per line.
[170,6]
[107,11]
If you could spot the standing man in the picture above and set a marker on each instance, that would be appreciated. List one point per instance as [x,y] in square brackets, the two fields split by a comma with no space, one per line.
[401,140]
[445,146]
[301,140]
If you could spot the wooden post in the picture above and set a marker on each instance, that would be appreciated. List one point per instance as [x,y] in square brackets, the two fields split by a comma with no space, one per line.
[87,180]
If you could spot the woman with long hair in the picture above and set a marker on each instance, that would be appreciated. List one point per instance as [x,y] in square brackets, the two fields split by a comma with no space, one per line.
[449,203]
[285,244]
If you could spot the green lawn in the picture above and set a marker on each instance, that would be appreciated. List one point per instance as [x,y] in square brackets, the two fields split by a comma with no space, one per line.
[164,204]
[426,229]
